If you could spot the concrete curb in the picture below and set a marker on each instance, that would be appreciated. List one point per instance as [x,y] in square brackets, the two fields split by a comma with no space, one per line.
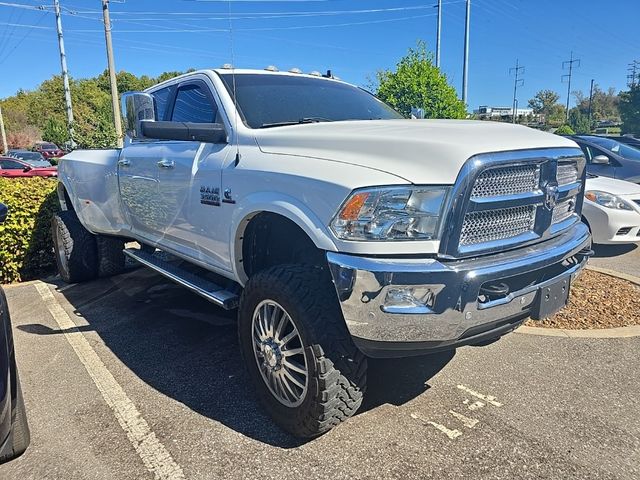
[618,332]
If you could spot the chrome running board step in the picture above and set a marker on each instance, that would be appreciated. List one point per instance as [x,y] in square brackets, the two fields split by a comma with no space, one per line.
[203,287]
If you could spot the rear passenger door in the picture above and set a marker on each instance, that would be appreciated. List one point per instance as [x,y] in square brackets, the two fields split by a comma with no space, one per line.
[189,167]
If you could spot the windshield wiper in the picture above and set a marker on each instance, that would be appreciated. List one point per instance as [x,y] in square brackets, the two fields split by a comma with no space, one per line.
[299,122]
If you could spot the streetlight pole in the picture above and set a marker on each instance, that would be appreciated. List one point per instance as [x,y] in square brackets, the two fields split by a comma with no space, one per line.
[465,68]
[438,33]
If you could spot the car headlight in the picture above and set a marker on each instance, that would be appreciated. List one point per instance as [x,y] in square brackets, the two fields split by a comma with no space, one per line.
[391,213]
[607,200]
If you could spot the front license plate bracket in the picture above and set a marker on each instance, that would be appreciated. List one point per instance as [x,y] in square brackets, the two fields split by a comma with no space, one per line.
[551,299]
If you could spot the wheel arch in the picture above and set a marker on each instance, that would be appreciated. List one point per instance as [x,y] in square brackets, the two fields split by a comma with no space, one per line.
[304,227]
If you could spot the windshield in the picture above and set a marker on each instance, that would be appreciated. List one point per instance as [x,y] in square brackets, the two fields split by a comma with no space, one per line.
[274,100]
[618,148]
[34,159]
[48,146]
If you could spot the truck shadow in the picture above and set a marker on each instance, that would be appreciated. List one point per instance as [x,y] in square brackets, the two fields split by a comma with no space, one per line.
[603,251]
[187,349]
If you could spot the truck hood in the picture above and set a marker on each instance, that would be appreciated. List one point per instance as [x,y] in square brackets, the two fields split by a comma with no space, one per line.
[419,151]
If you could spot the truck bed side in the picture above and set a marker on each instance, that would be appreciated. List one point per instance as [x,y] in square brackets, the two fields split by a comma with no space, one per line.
[91,181]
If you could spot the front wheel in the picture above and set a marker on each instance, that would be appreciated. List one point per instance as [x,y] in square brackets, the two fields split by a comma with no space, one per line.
[299,354]
[75,248]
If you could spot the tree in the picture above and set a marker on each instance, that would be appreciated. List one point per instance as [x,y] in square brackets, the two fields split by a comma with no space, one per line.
[630,110]
[41,114]
[417,82]
[579,122]
[545,103]
[604,105]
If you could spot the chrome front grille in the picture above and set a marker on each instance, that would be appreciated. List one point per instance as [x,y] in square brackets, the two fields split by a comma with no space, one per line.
[508,199]
[510,180]
[500,224]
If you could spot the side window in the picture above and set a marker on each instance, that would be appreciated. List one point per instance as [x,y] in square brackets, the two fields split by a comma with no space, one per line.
[162,98]
[11,165]
[194,104]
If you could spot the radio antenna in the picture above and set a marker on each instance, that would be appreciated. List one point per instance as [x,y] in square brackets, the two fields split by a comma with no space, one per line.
[233,80]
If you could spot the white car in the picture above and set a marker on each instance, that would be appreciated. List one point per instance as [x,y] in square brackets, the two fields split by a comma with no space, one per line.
[612,210]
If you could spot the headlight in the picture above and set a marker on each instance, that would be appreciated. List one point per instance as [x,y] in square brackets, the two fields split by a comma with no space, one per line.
[607,200]
[391,213]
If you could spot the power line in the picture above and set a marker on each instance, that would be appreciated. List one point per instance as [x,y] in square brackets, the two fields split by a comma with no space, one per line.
[569,63]
[518,82]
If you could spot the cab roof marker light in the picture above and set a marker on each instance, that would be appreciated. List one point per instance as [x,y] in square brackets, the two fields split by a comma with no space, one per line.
[295,70]
[272,68]
[315,73]
[227,66]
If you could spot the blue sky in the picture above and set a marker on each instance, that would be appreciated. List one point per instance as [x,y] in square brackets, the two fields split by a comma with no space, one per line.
[152,36]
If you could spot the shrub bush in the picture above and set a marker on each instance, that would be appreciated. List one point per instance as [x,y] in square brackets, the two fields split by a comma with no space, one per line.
[564,130]
[26,247]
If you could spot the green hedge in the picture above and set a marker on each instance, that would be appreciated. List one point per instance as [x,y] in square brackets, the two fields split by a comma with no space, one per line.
[26,248]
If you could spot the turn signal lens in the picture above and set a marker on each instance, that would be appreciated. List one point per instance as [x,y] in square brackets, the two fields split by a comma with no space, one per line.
[352,208]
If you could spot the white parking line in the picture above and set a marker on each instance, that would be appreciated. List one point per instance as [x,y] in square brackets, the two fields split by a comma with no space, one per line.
[466,421]
[452,434]
[487,398]
[477,405]
[153,453]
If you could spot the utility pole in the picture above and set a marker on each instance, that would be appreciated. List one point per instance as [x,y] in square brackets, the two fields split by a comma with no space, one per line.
[465,68]
[117,121]
[518,82]
[438,33]
[5,149]
[569,63]
[65,74]
[590,100]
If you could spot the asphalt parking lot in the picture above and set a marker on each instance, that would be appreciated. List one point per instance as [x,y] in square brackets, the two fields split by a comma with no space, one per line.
[132,377]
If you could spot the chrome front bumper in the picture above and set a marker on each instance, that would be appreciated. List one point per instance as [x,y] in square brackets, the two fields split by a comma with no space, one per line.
[456,313]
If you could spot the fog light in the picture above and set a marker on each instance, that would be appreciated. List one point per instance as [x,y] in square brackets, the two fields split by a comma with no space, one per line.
[417,299]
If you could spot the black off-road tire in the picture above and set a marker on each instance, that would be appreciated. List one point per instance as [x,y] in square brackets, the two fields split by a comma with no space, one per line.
[76,245]
[337,369]
[111,260]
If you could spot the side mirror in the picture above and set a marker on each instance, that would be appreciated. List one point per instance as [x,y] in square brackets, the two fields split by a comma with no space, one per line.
[187,131]
[3,212]
[137,107]
[26,169]
[600,160]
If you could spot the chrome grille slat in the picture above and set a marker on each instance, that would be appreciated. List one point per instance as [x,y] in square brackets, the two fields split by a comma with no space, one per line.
[567,173]
[509,180]
[499,224]
[563,210]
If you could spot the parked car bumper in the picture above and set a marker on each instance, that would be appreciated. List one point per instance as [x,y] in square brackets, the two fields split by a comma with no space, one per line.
[610,226]
[446,305]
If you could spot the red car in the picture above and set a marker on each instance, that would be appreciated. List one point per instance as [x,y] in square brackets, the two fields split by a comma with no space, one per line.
[48,150]
[13,167]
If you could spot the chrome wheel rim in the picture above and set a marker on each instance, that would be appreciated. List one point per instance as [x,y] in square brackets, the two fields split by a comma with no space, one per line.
[62,258]
[279,353]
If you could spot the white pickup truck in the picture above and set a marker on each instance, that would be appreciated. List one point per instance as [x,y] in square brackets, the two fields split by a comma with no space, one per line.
[338,229]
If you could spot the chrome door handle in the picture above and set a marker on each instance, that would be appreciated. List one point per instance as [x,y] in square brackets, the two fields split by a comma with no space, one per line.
[124,163]
[166,164]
